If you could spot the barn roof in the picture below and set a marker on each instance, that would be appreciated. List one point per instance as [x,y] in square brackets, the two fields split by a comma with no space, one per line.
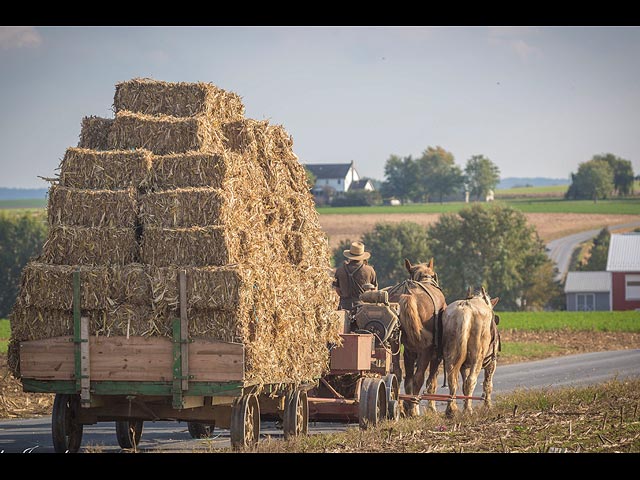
[329,170]
[587,282]
[624,252]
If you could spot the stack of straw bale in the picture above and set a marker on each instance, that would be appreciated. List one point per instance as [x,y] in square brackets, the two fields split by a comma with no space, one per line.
[180,180]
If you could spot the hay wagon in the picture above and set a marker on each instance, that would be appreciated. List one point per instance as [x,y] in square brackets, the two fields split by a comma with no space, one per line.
[133,379]
[360,386]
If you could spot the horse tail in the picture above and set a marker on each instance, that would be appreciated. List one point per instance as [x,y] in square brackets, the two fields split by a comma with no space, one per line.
[463,333]
[409,319]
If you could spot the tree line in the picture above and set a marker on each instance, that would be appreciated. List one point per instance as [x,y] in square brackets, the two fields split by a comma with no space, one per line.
[434,175]
[490,245]
[601,177]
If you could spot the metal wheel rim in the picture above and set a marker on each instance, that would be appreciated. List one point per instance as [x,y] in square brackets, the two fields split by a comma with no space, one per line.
[377,402]
[252,422]
[296,415]
[393,393]
[302,414]
[245,422]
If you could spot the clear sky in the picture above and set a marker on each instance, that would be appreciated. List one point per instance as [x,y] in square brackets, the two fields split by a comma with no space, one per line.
[537,101]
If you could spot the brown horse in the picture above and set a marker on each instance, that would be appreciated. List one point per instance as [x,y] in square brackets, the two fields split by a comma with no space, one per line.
[421,303]
[470,343]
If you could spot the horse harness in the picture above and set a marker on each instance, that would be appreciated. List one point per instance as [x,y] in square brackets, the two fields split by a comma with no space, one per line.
[423,284]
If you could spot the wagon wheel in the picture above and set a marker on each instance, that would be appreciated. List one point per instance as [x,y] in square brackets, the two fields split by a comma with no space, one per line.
[295,420]
[65,429]
[373,402]
[201,430]
[129,432]
[393,391]
[245,422]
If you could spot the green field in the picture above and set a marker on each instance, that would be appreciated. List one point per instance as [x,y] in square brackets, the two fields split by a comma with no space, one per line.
[551,190]
[626,321]
[27,203]
[630,206]
[5,333]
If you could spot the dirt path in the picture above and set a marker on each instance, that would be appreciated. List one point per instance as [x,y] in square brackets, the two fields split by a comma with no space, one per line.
[340,227]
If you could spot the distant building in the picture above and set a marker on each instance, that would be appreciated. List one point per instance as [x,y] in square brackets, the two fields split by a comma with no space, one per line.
[587,291]
[623,262]
[362,184]
[335,179]
[337,176]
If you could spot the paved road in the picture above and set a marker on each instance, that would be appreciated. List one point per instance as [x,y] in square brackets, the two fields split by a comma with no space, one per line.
[35,434]
[561,249]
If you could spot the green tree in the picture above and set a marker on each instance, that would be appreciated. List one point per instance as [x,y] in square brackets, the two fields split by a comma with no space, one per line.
[482,175]
[438,173]
[597,261]
[311,178]
[390,244]
[21,238]
[594,180]
[622,172]
[492,246]
[400,179]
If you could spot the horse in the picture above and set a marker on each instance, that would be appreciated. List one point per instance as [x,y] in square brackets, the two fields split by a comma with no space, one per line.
[421,304]
[470,342]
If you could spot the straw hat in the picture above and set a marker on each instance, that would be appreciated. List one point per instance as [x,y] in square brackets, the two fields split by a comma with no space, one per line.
[356,252]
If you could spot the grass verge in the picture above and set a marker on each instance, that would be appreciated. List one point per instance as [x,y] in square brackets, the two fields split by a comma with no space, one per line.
[601,418]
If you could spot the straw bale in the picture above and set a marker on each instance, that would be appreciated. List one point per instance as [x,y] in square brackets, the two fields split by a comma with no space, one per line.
[208,288]
[225,170]
[34,323]
[45,285]
[258,137]
[94,132]
[92,208]
[188,246]
[130,284]
[241,222]
[115,169]
[180,99]
[183,207]
[201,206]
[163,134]
[51,286]
[191,169]
[69,245]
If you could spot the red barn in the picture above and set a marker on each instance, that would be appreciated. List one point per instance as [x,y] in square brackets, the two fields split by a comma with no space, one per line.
[624,264]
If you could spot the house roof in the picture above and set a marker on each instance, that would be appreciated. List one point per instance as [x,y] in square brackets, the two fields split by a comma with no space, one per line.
[587,282]
[624,252]
[329,170]
[359,184]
